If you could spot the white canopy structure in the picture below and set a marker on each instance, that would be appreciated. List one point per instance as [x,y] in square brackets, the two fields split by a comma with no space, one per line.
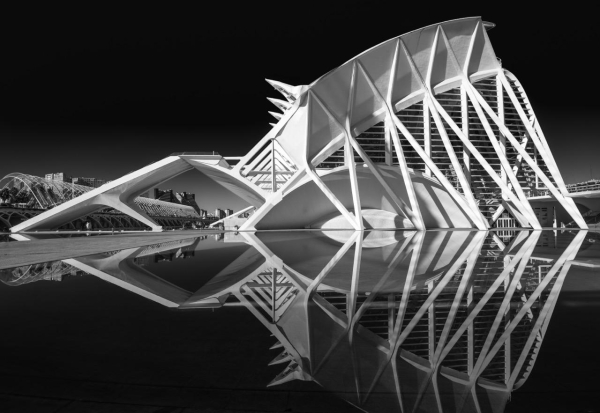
[425,130]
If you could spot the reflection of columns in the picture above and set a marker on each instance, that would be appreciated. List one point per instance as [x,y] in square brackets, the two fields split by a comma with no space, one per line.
[508,345]
[349,344]
[273,292]
[273,174]
[431,322]
[120,269]
[351,310]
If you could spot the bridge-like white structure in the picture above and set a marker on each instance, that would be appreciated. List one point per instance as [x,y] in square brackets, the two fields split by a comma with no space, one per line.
[425,130]
[49,194]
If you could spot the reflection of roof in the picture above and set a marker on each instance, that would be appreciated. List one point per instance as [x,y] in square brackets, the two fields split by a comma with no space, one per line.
[26,274]
[460,342]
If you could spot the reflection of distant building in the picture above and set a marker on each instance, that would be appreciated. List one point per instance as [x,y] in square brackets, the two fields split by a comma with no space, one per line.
[49,271]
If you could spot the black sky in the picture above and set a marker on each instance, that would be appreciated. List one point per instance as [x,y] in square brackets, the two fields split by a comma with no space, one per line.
[100,91]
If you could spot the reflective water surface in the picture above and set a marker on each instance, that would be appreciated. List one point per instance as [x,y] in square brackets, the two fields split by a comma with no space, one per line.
[436,321]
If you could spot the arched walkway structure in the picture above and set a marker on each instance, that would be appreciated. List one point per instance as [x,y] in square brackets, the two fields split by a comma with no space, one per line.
[43,194]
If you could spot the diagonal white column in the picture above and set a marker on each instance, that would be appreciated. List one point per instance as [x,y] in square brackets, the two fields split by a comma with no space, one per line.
[349,154]
[566,202]
[523,206]
[435,360]
[416,217]
[567,255]
[333,199]
[439,287]
[399,203]
[458,198]
[454,160]
[402,253]
[312,288]
[414,212]
[542,147]
[526,209]
[132,210]
[484,163]
[516,168]
[543,317]
[521,256]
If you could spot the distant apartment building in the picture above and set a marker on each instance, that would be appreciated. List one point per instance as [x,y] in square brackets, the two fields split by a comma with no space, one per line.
[62,177]
[202,213]
[91,182]
[219,213]
[183,198]
[58,176]
[228,212]
[166,195]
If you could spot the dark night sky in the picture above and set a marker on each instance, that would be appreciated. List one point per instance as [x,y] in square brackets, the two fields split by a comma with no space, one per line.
[103,91]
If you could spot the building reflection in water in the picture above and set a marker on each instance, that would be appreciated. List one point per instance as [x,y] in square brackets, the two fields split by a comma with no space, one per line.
[388,321]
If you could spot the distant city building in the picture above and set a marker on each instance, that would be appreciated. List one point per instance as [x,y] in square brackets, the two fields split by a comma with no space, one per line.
[164,195]
[228,212]
[58,176]
[183,198]
[91,182]
[219,213]
[202,213]
[61,177]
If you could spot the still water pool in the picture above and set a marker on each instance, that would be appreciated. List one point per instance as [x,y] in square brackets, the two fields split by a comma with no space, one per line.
[306,321]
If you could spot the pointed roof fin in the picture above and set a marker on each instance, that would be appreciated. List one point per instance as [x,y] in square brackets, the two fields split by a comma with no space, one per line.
[282,358]
[281,104]
[292,372]
[290,92]
[276,115]
[276,345]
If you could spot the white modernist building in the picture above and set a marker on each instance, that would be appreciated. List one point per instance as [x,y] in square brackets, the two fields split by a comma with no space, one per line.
[426,130]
